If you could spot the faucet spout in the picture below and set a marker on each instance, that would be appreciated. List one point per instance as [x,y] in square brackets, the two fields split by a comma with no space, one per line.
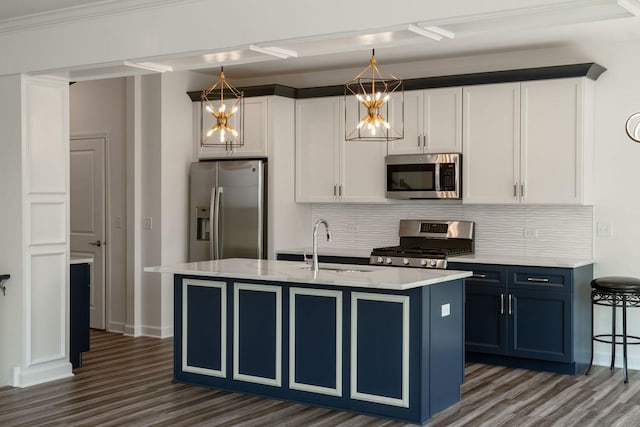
[314,259]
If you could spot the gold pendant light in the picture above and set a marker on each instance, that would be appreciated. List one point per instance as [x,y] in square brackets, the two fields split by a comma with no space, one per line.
[223,109]
[374,104]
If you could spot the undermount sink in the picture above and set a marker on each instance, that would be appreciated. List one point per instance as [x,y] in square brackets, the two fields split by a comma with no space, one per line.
[340,269]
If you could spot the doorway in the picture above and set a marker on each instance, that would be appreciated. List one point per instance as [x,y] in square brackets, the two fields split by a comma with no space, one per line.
[87,217]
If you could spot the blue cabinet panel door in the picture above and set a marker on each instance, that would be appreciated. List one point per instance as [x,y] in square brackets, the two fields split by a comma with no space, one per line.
[315,341]
[379,361]
[204,342]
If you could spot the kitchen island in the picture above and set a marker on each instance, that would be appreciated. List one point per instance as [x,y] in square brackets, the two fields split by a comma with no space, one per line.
[383,341]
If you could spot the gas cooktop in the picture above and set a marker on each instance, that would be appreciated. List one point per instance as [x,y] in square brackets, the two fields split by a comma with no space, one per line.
[426,244]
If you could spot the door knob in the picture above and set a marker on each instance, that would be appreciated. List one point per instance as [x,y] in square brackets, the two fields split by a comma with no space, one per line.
[97,243]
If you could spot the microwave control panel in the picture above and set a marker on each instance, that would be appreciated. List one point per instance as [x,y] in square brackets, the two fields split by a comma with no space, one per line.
[447,177]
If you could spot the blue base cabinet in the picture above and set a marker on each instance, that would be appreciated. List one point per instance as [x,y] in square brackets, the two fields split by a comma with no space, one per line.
[528,317]
[79,303]
[392,354]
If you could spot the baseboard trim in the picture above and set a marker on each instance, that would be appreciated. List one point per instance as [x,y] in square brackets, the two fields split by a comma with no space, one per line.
[118,327]
[42,373]
[132,331]
[156,332]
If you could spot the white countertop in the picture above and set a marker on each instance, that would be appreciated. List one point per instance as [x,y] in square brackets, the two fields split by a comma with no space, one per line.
[360,276]
[522,260]
[474,258]
[73,259]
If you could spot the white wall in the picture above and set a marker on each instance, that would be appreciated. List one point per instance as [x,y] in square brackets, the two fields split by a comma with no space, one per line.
[12,329]
[177,147]
[99,108]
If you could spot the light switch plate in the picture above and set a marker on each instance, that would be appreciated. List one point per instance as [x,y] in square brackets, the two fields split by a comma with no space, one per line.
[605,229]
[445,310]
[147,223]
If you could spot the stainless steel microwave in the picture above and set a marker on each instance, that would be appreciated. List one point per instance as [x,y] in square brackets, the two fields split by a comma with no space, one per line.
[424,176]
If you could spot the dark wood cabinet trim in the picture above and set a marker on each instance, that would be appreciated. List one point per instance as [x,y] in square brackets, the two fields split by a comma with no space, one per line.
[590,70]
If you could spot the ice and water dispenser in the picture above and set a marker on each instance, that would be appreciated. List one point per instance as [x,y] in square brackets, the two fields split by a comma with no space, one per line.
[202,223]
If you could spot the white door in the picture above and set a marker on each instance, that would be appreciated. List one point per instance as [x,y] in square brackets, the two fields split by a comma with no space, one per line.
[87,169]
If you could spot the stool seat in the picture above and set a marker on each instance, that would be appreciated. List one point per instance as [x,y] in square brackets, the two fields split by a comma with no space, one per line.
[616,284]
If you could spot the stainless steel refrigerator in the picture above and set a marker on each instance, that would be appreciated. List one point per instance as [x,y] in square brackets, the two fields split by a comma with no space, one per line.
[227,210]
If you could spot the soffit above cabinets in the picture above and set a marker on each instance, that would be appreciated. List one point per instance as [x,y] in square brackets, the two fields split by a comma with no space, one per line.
[550,24]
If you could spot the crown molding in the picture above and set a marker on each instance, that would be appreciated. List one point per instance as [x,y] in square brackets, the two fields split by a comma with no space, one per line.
[83,12]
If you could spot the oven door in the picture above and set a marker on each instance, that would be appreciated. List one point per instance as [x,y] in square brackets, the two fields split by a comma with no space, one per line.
[423,176]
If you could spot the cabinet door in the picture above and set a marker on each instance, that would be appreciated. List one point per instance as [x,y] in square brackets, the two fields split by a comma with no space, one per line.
[363,172]
[491,133]
[412,113]
[442,120]
[255,131]
[552,142]
[540,325]
[317,149]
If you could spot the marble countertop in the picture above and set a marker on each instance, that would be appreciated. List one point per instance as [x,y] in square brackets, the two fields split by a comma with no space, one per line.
[359,276]
[471,259]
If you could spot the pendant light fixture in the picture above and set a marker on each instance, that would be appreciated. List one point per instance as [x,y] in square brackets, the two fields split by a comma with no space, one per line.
[374,105]
[223,111]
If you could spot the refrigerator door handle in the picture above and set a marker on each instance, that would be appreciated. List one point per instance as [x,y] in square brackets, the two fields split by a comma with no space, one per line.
[218,240]
[213,232]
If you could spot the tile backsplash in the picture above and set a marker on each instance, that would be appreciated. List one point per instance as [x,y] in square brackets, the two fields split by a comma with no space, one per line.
[555,231]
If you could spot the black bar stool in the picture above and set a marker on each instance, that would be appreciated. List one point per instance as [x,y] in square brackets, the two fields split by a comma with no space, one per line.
[615,292]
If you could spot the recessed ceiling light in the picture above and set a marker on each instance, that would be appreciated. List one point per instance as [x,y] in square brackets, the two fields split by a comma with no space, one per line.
[434,33]
[274,51]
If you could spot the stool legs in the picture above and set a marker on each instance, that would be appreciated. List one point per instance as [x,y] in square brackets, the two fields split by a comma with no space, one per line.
[624,338]
[613,335]
[588,371]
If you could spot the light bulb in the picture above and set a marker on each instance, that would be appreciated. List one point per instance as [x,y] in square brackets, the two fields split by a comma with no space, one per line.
[360,124]
[221,135]
[386,98]
[209,109]
[378,95]
[209,133]
[234,109]
[222,107]
[387,125]
[234,132]
[359,97]
[368,98]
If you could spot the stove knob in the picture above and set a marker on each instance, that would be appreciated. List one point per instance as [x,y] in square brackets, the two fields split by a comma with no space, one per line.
[388,260]
[405,261]
[423,262]
[380,260]
[433,263]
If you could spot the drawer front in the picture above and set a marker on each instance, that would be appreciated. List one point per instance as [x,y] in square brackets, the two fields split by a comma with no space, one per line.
[483,274]
[558,279]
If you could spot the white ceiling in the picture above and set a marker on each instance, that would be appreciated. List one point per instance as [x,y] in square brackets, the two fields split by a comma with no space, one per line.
[514,29]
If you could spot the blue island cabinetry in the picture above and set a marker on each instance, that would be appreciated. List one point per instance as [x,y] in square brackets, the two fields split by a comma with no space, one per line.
[390,353]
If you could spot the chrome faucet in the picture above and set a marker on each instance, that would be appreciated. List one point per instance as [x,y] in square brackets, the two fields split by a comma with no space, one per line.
[314,259]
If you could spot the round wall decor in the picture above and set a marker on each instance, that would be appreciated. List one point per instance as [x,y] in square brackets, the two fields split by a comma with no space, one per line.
[633,127]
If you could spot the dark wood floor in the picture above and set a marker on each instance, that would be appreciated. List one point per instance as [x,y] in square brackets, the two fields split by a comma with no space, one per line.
[127,382]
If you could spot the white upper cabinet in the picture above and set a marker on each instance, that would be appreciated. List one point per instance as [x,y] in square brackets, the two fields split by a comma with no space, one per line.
[556,145]
[432,122]
[328,168]
[528,143]
[318,131]
[491,149]
[255,131]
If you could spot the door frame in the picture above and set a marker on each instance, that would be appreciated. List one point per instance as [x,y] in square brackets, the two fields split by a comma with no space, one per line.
[107,216]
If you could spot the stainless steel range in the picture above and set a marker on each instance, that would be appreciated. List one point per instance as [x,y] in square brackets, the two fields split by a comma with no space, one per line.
[426,244]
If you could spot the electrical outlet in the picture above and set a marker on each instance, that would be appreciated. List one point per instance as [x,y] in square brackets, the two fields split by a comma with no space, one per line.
[604,229]
[147,223]
[445,310]
[530,233]
[118,222]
